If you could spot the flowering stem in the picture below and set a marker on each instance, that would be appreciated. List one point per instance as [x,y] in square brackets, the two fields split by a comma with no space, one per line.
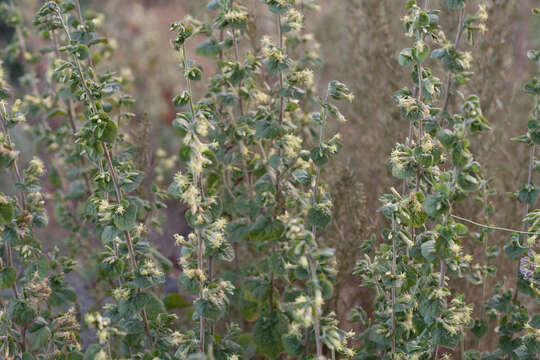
[394,270]
[71,114]
[9,250]
[529,182]
[236,56]
[278,174]
[198,181]
[241,108]
[112,170]
[312,265]
[18,177]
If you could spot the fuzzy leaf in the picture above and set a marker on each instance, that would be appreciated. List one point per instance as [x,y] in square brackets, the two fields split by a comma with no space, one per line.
[267,333]
[8,275]
[126,221]
[7,211]
[266,229]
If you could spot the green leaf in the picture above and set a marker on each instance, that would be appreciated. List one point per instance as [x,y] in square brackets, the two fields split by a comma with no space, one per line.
[188,284]
[207,309]
[428,250]
[75,355]
[267,333]
[134,304]
[405,57]
[528,194]
[181,99]
[155,306]
[109,234]
[319,216]
[461,229]
[21,313]
[274,161]
[209,48]
[479,328]
[292,345]
[7,211]
[109,132]
[195,73]
[327,288]
[8,275]
[82,52]
[256,289]
[266,229]
[57,112]
[176,301]
[145,281]
[61,294]
[125,220]
[302,177]
[39,338]
[433,205]
[533,87]
[319,156]
[420,51]
[514,250]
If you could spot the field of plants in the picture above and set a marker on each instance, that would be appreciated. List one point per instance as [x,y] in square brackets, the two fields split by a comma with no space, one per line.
[269,179]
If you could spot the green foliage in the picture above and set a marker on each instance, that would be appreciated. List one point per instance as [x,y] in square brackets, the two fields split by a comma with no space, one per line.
[255,144]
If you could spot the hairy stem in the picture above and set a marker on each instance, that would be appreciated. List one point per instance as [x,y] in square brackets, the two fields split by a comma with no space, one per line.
[112,171]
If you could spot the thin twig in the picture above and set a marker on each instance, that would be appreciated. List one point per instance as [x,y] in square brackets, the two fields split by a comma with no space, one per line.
[494,227]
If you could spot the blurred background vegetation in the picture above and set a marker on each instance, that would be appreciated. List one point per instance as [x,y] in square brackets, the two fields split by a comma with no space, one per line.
[359,42]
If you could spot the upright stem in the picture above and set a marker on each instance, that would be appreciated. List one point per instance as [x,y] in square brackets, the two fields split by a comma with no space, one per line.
[9,250]
[200,267]
[236,56]
[486,261]
[456,44]
[278,173]
[526,205]
[200,243]
[312,265]
[281,106]
[112,170]
[394,270]
[18,176]
[241,108]
[71,112]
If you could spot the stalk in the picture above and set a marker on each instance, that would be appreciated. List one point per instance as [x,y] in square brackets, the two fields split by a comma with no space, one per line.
[529,182]
[71,113]
[9,250]
[112,170]
[442,271]
[200,242]
[312,265]
[278,173]
[236,56]
[486,261]
[394,256]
